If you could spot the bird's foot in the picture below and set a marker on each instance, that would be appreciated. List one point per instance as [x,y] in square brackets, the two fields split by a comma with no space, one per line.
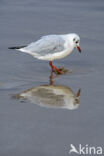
[58,70]
[54,69]
[62,70]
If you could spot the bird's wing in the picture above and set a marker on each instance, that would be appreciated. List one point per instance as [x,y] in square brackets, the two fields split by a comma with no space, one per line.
[47,45]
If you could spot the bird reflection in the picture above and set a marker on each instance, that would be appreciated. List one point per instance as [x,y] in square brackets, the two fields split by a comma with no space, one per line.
[51,96]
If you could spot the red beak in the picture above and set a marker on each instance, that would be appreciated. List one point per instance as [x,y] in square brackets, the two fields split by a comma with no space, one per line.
[79,49]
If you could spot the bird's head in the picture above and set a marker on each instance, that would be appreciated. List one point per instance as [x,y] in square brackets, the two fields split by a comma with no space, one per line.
[75,39]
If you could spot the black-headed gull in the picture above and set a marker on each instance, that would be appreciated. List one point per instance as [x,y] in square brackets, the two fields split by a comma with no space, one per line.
[52,47]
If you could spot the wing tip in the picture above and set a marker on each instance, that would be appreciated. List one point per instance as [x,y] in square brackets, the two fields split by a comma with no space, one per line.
[17,47]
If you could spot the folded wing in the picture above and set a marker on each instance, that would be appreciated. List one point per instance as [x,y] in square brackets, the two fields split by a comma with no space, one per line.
[46,45]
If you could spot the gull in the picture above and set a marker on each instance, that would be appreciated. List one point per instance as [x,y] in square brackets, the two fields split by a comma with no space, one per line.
[52,47]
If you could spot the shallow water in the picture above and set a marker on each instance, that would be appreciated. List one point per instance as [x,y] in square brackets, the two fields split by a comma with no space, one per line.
[26,127]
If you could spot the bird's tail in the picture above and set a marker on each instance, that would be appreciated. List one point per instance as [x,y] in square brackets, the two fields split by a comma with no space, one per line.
[17,47]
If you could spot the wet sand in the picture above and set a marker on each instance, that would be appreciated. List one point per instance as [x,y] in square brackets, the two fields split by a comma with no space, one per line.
[30,128]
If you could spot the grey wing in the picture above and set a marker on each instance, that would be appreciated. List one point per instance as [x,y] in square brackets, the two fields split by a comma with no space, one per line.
[46,45]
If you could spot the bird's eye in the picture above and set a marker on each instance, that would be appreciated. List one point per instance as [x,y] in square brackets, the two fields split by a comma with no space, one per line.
[76,41]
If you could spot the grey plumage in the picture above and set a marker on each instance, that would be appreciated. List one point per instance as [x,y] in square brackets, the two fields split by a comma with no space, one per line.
[46,45]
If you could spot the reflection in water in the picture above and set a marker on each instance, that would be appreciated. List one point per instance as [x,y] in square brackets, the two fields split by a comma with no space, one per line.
[53,96]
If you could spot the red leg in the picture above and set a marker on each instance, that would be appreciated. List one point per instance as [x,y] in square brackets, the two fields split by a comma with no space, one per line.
[59,72]
[53,68]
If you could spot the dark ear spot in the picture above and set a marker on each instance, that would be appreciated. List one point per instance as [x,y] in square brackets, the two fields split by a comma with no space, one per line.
[74,39]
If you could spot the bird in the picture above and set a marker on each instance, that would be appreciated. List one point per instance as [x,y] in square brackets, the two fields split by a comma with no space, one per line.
[52,47]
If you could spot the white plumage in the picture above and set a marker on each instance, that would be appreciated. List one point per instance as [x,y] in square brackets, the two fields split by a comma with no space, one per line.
[52,47]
